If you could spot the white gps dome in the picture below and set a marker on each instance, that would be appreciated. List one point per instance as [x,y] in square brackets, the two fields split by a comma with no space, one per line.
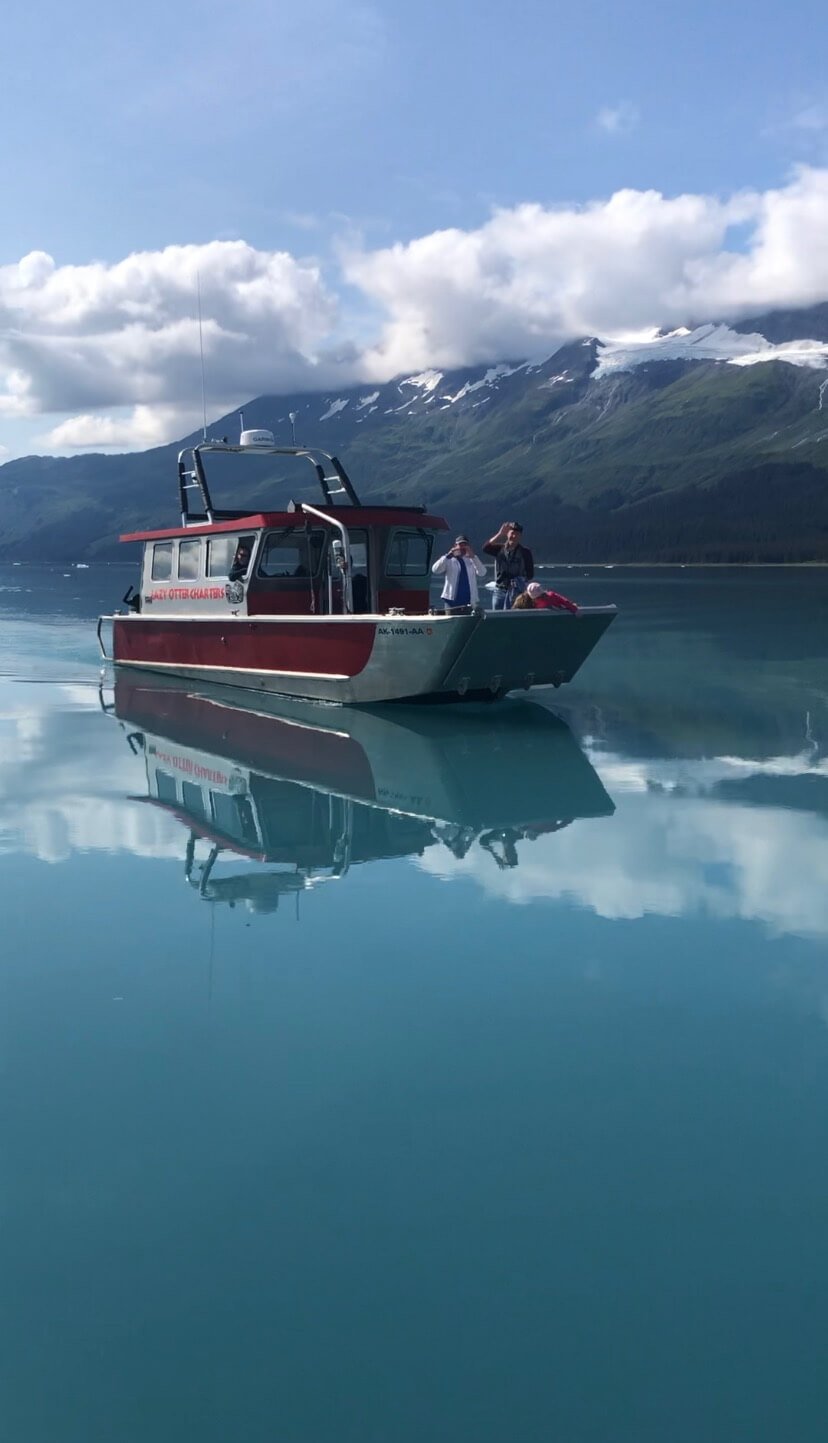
[256,438]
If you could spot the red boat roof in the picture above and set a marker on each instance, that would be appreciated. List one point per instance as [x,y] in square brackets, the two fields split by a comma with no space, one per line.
[351,515]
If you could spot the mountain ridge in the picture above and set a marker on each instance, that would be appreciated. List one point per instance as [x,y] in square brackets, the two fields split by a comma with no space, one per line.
[656,450]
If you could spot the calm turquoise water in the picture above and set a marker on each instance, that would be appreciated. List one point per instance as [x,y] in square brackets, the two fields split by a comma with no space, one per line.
[392,1077]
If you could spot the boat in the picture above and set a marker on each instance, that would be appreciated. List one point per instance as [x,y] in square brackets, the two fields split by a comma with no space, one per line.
[326,602]
[309,792]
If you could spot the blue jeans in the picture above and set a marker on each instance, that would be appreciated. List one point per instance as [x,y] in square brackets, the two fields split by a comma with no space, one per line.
[500,601]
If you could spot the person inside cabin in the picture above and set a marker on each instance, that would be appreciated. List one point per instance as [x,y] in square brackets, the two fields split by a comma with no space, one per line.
[461,569]
[360,595]
[548,600]
[514,566]
[241,561]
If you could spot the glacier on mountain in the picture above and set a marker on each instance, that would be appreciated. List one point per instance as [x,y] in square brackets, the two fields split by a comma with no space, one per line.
[334,409]
[493,374]
[705,343]
[424,380]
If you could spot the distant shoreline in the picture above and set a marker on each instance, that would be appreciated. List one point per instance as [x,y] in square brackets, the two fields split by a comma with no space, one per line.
[686,565]
[545,565]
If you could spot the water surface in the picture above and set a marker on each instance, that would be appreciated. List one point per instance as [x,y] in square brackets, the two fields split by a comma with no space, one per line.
[405,1075]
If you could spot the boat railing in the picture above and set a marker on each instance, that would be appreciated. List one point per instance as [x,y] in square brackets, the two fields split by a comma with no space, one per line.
[101,619]
[333,478]
[342,557]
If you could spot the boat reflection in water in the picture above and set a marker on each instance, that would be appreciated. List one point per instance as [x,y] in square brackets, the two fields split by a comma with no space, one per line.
[309,790]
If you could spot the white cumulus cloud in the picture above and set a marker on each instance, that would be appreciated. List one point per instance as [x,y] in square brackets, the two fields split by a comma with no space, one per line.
[670,856]
[532,277]
[110,352]
[84,339]
[138,429]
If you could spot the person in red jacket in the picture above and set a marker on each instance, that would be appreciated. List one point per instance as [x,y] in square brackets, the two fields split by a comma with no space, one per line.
[549,600]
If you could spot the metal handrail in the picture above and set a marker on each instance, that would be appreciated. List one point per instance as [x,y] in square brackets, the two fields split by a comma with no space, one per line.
[192,477]
[347,589]
[101,620]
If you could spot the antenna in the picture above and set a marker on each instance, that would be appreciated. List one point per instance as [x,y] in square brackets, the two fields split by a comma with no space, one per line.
[201,349]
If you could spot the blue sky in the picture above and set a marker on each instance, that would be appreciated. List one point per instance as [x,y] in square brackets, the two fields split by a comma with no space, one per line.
[333,132]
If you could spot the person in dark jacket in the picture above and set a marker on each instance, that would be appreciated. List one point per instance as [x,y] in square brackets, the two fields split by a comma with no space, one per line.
[514,567]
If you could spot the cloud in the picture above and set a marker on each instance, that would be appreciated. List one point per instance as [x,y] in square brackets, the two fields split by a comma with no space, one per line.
[302,219]
[669,856]
[803,123]
[82,338]
[66,781]
[533,277]
[813,118]
[110,352]
[617,119]
[139,429]
[673,848]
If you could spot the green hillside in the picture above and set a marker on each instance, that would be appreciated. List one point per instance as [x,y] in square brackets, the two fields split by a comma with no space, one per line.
[670,461]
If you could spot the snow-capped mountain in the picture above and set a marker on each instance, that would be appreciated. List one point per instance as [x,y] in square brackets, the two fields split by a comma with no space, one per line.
[707,343]
[712,342]
[707,442]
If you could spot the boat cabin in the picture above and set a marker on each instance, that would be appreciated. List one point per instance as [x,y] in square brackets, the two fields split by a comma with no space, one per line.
[303,834]
[334,559]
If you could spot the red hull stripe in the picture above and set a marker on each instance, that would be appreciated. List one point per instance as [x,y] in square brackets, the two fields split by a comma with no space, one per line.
[290,647]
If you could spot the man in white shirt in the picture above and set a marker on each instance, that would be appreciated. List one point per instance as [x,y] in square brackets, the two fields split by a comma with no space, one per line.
[461,569]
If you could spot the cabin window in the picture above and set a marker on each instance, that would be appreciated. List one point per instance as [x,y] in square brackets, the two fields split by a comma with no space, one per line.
[166,789]
[241,558]
[220,553]
[192,798]
[409,553]
[233,815]
[291,553]
[189,560]
[162,561]
[358,541]
[360,584]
